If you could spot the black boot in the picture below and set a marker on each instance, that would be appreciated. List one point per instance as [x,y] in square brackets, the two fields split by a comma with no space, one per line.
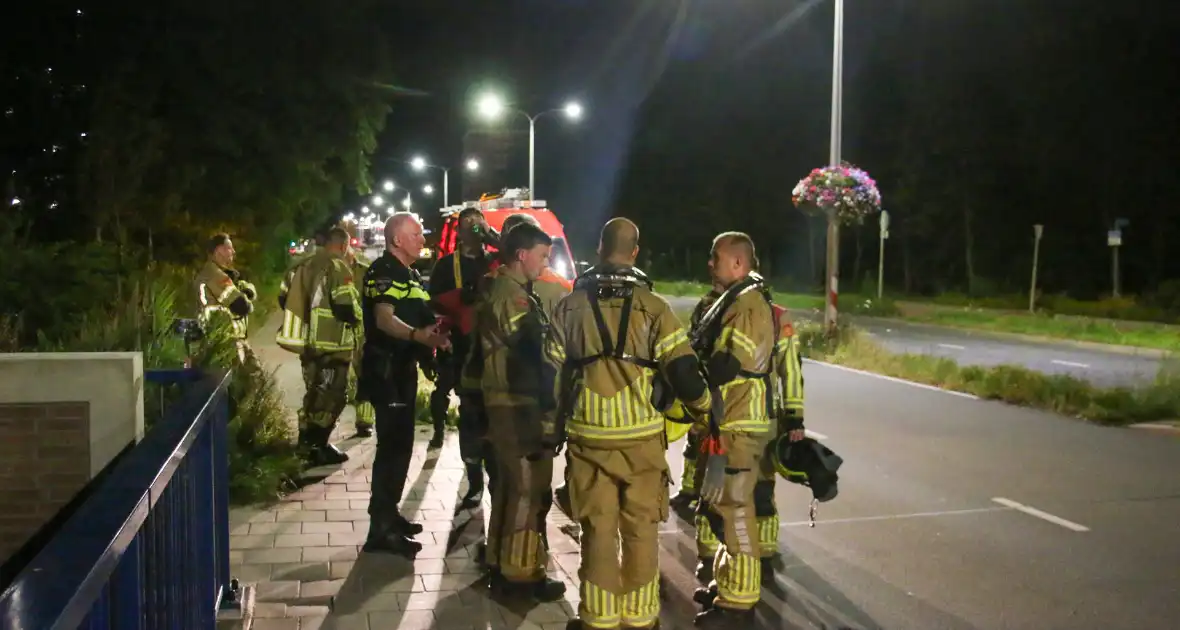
[704,570]
[364,430]
[404,526]
[543,590]
[386,538]
[474,494]
[724,618]
[322,452]
[683,499]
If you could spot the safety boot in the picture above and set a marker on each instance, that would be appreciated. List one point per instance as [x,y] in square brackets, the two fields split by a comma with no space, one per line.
[683,499]
[364,430]
[316,450]
[718,618]
[704,571]
[543,590]
[475,486]
[385,538]
[404,526]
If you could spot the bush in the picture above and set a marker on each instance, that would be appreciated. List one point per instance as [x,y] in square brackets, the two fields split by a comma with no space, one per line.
[1012,384]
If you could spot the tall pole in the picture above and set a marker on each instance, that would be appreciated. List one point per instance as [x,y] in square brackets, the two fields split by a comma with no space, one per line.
[881,254]
[446,186]
[532,156]
[1032,289]
[1114,269]
[833,266]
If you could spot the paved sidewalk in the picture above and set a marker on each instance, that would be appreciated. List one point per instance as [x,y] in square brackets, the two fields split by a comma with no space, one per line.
[303,552]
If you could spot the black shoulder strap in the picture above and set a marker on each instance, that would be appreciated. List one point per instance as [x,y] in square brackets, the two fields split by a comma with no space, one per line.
[599,286]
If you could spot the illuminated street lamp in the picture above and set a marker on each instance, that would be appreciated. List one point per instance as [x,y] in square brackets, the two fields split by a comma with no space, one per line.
[378,200]
[406,202]
[419,163]
[388,186]
[492,107]
[428,189]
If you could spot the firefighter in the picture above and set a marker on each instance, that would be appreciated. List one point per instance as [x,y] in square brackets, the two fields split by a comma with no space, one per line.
[400,332]
[453,291]
[510,325]
[687,497]
[735,340]
[358,264]
[223,296]
[609,341]
[318,242]
[787,418]
[320,317]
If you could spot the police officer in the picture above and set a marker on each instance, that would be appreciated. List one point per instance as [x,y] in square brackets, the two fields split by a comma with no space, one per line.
[453,293]
[735,339]
[510,324]
[320,316]
[224,297]
[611,337]
[365,414]
[399,332]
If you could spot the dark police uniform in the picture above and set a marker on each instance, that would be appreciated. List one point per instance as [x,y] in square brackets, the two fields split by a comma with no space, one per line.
[390,380]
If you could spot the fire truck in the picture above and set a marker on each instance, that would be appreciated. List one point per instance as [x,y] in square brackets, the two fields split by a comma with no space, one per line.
[498,207]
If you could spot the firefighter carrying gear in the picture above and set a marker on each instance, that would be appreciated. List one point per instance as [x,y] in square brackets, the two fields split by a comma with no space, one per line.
[737,340]
[809,463]
[787,392]
[320,316]
[609,341]
[511,328]
[687,496]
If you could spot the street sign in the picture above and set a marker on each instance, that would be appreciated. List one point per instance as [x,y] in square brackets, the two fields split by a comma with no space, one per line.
[1038,230]
[1114,238]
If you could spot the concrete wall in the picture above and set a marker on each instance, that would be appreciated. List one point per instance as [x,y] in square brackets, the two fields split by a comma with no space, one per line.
[63,418]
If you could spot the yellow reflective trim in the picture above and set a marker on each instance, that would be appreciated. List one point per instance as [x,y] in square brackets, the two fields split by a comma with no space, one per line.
[670,343]
[740,340]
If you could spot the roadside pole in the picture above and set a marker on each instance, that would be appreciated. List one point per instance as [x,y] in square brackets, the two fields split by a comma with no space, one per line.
[1038,230]
[881,256]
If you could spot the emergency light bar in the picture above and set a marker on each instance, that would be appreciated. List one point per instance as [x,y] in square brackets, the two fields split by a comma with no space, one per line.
[495,204]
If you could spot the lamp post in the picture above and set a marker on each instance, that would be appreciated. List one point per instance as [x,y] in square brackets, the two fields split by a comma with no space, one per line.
[1038,230]
[419,163]
[491,107]
[832,286]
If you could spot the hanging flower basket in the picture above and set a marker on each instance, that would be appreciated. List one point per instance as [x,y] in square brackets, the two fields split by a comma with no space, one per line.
[845,190]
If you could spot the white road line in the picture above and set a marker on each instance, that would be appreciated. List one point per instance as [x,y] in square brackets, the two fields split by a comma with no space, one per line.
[891,517]
[951,346]
[1070,363]
[816,436]
[895,380]
[1031,511]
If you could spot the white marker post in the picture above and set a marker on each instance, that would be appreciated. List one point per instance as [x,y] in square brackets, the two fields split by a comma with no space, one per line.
[1114,239]
[1038,230]
[881,255]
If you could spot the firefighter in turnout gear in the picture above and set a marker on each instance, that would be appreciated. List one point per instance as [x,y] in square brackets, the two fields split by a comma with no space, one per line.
[365,414]
[320,317]
[687,497]
[787,418]
[609,342]
[223,298]
[400,331]
[453,293]
[511,326]
[736,341]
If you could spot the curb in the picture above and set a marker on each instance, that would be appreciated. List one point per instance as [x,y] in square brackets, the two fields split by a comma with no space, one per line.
[1161,427]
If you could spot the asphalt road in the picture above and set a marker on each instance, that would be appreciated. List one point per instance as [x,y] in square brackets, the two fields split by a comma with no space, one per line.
[956,513]
[1103,368]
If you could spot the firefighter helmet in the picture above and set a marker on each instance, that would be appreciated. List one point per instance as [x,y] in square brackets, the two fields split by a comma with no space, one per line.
[808,463]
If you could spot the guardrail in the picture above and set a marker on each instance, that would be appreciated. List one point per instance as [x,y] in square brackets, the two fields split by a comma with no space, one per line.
[149,548]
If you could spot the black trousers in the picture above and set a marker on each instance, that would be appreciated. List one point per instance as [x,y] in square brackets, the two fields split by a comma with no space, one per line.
[395,447]
[450,366]
[474,447]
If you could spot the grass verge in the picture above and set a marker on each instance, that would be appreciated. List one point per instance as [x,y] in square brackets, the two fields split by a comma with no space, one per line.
[1159,400]
[1137,334]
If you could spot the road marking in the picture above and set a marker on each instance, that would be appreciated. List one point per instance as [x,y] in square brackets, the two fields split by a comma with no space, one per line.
[1070,363]
[891,517]
[816,436]
[1032,511]
[951,346]
[895,380]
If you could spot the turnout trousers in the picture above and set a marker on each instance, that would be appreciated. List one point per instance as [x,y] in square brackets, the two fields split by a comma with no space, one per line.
[326,395]
[764,507]
[688,480]
[732,524]
[619,496]
[521,498]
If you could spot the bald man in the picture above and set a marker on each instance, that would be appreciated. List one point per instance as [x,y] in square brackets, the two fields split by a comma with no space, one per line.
[609,340]
[400,330]
[736,340]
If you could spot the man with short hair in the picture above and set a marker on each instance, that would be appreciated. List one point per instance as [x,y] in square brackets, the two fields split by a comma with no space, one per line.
[399,332]
[320,316]
[223,297]
[736,340]
[610,341]
[511,328]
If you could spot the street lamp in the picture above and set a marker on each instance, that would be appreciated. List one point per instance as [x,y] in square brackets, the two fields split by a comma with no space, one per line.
[831,287]
[378,200]
[428,189]
[406,202]
[388,186]
[419,163]
[492,107]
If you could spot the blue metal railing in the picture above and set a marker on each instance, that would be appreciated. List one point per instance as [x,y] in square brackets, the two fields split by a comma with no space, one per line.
[149,548]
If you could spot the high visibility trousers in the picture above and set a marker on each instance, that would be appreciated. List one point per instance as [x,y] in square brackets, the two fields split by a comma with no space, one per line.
[521,500]
[737,566]
[619,496]
[765,508]
[688,480]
